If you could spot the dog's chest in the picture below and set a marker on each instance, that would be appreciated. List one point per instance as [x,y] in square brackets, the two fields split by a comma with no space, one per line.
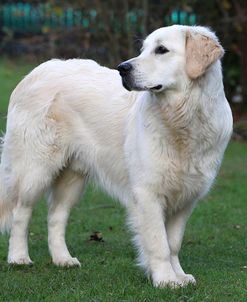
[185,180]
[178,166]
[181,178]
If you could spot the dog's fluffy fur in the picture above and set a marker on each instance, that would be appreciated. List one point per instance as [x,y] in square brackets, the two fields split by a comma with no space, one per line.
[157,149]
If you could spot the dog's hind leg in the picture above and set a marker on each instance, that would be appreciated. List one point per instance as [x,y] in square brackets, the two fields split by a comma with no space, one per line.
[35,150]
[30,186]
[175,226]
[66,191]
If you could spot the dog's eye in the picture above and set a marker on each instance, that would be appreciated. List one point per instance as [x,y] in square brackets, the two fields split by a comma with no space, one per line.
[160,50]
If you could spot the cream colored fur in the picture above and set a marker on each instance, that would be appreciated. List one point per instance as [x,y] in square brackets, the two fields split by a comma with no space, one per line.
[157,151]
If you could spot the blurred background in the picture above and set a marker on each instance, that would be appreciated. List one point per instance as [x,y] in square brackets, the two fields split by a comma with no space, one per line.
[110,31]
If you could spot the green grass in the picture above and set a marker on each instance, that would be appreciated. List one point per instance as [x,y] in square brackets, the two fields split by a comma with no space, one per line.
[214,248]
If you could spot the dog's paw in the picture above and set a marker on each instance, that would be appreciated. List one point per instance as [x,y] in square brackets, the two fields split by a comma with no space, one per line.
[187,279]
[172,283]
[164,279]
[66,262]
[20,260]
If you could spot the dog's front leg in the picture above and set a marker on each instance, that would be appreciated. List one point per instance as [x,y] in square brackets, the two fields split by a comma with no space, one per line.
[147,222]
[175,226]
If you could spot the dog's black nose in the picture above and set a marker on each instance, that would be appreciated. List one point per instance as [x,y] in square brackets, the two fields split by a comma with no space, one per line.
[124,68]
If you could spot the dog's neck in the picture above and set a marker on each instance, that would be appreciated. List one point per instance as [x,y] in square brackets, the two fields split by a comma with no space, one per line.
[180,105]
[186,111]
[177,106]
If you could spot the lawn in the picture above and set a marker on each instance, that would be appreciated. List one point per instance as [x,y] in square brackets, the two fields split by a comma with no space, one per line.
[214,248]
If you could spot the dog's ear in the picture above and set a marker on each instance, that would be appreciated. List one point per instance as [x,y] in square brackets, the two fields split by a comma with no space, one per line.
[201,52]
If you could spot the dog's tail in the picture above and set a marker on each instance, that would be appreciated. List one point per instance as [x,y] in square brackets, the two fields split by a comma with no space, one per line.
[6,206]
[6,202]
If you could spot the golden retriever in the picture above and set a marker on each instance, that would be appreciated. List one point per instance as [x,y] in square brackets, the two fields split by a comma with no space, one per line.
[157,149]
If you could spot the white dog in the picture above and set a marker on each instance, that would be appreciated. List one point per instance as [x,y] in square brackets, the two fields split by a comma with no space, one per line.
[157,150]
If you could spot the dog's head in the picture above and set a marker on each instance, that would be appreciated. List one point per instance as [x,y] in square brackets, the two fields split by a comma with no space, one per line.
[169,53]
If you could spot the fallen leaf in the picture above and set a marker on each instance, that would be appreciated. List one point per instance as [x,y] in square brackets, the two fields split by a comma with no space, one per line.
[237,226]
[96,236]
